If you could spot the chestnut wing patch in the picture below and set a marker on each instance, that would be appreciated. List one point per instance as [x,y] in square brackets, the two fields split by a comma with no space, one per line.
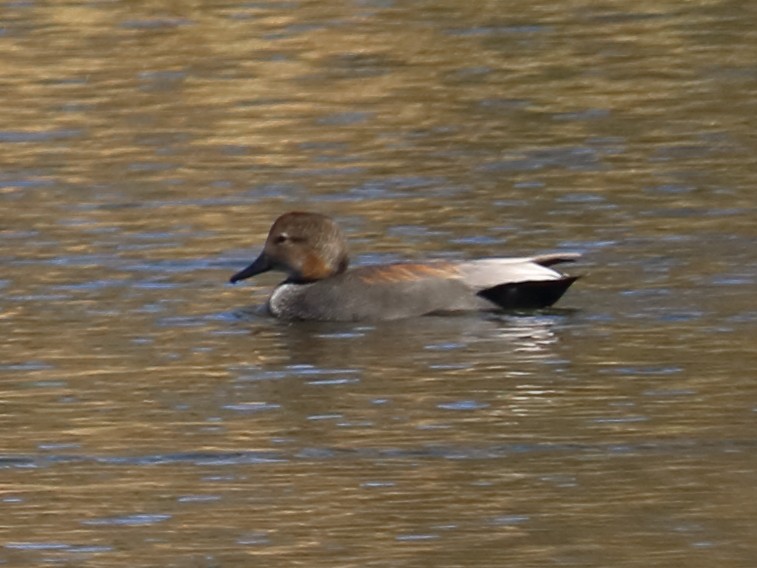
[392,273]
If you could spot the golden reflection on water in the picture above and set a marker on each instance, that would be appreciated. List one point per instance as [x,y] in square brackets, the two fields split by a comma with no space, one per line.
[151,416]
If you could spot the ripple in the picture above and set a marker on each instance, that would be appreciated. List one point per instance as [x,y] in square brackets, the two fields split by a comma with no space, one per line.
[251,407]
[142,519]
[462,405]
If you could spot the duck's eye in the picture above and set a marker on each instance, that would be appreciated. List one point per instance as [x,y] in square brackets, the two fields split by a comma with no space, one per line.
[281,239]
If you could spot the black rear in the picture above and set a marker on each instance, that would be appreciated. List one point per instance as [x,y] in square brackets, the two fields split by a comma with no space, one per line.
[528,295]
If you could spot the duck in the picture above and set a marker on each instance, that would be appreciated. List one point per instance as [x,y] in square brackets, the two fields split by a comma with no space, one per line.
[311,250]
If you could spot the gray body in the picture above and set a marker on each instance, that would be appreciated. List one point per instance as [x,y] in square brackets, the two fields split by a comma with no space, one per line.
[353,296]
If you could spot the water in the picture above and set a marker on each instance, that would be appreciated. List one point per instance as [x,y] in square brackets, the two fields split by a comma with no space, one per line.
[152,415]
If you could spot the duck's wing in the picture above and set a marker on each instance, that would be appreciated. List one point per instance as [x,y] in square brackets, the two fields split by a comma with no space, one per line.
[488,272]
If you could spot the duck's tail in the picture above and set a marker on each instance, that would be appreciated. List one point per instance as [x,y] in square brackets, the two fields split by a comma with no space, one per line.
[556,258]
[529,295]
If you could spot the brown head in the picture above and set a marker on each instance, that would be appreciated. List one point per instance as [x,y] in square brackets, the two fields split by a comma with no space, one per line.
[306,246]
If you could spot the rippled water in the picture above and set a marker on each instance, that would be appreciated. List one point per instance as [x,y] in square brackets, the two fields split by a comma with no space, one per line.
[152,415]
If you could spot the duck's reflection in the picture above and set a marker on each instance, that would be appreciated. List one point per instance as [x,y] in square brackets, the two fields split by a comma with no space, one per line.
[432,341]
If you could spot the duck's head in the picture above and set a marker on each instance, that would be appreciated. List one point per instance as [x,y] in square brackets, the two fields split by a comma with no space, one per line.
[306,246]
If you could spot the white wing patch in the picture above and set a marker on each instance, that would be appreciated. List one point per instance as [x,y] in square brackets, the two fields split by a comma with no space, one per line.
[490,272]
